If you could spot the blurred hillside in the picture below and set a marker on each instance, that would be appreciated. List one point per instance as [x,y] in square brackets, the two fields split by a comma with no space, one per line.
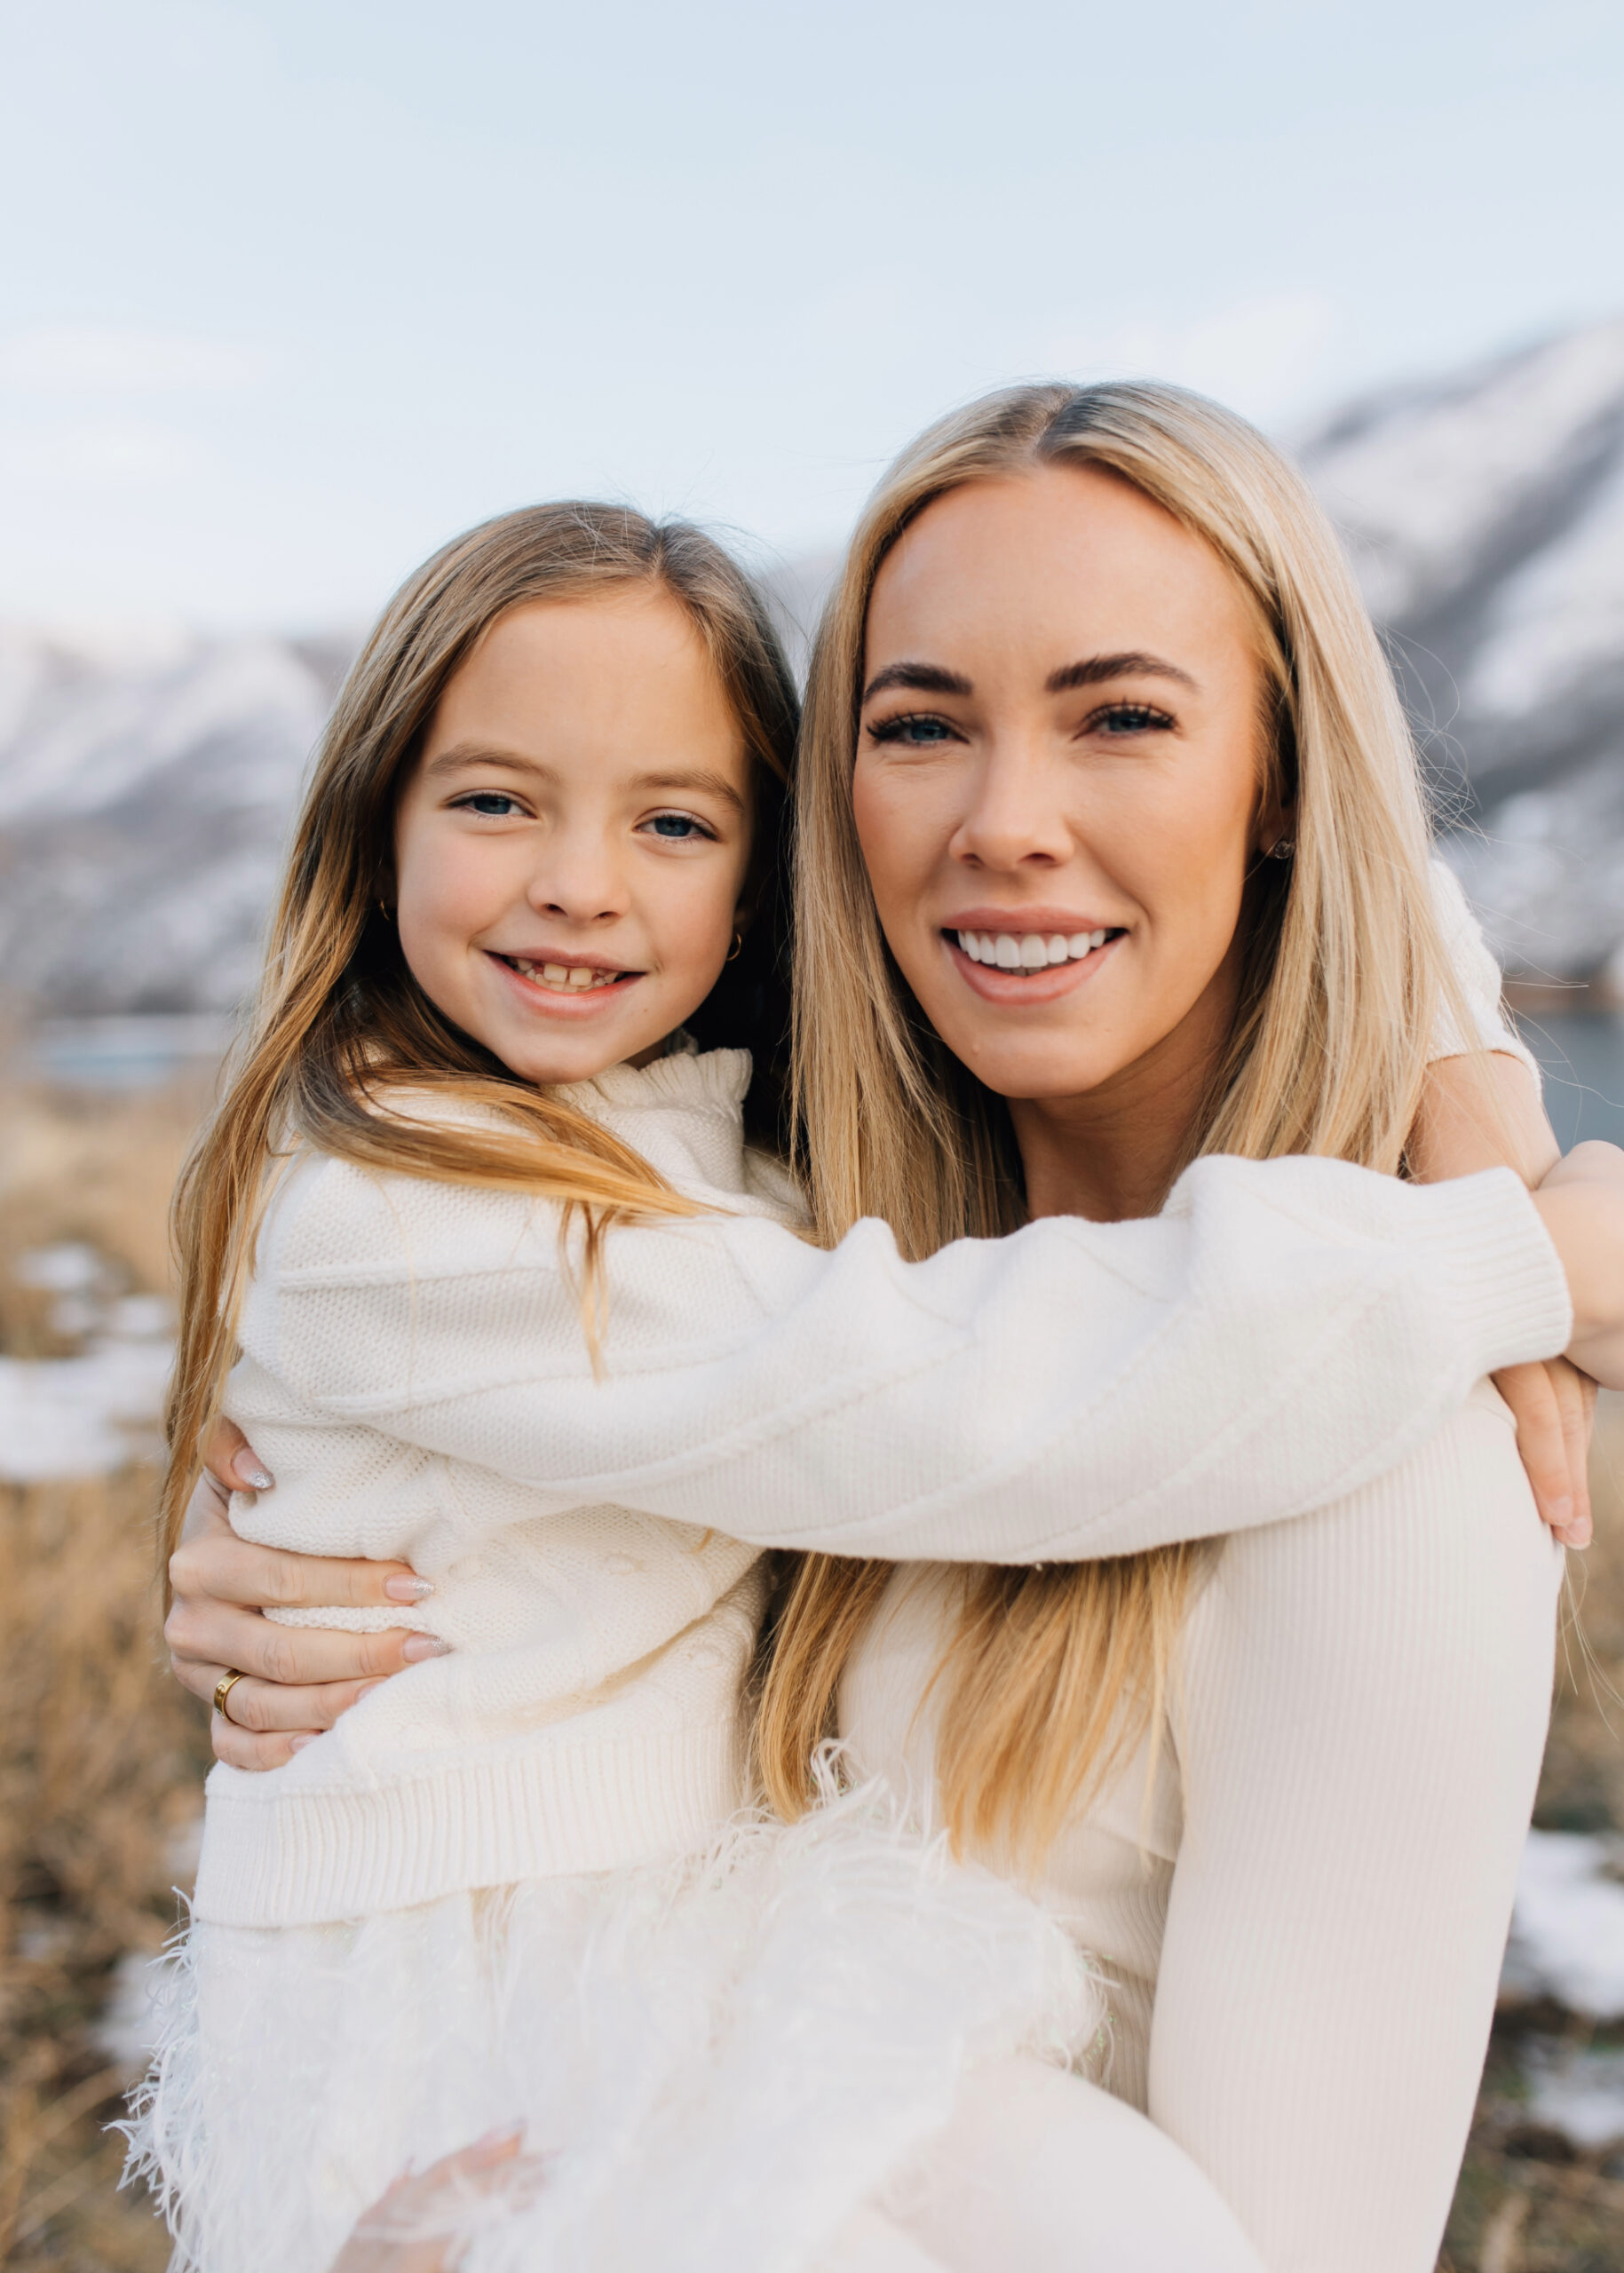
[144,793]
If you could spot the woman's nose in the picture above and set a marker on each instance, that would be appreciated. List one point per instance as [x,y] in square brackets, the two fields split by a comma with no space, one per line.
[1015,811]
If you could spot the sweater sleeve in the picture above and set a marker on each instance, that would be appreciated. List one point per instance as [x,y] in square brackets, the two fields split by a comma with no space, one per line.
[1364,1699]
[1477,974]
[1281,1332]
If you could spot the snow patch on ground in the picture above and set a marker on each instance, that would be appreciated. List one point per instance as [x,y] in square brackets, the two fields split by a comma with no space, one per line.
[1567,1933]
[85,1415]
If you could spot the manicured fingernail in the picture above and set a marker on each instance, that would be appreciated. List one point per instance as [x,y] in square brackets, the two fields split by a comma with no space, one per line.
[408,1589]
[1582,1533]
[425,1645]
[298,1744]
[1559,1511]
[258,1479]
[367,1685]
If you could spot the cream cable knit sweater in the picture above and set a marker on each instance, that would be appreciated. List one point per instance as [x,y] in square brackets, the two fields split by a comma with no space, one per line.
[414,1371]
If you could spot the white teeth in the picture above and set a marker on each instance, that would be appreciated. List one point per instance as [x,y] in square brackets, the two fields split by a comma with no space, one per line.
[1029,950]
[569,978]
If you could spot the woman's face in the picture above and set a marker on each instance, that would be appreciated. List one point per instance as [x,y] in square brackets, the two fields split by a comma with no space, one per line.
[1058,785]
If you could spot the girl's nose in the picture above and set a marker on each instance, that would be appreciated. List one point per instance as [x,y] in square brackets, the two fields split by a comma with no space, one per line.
[579,880]
[1015,811]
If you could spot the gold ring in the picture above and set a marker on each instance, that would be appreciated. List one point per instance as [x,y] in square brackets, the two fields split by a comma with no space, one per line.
[223,1688]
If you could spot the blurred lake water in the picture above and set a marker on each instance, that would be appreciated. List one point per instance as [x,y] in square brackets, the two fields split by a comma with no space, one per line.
[1581,1055]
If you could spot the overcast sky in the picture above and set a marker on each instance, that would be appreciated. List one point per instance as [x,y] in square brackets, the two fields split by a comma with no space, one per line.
[291,290]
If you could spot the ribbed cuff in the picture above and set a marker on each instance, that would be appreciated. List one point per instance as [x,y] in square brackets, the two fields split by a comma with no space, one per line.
[291,1857]
[1509,1286]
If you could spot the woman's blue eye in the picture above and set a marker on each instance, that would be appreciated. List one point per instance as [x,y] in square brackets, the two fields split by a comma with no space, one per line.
[678,825]
[1130,719]
[915,728]
[491,805]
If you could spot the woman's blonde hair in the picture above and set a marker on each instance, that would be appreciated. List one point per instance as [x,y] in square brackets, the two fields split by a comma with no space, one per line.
[1053,1673]
[341,1023]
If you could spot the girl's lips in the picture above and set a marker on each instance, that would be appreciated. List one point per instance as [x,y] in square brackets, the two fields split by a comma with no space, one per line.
[576,1002]
[1010,988]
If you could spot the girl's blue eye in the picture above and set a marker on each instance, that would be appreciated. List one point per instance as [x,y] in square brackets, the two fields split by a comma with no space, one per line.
[679,827]
[490,804]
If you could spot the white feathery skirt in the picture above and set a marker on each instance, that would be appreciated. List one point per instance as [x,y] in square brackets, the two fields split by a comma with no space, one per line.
[717,2061]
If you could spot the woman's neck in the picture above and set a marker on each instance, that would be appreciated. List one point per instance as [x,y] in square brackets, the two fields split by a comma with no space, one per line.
[1113,1151]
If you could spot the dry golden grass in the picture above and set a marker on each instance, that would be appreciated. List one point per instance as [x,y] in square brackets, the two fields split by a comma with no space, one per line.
[101,1759]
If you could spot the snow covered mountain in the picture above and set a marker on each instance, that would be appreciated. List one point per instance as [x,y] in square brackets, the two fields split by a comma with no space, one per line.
[144,794]
[143,799]
[1486,513]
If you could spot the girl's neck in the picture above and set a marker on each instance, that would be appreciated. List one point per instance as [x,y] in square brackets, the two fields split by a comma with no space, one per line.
[1113,1151]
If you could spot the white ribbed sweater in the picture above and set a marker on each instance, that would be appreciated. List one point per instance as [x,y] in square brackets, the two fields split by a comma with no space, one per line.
[414,1372]
[1302,1916]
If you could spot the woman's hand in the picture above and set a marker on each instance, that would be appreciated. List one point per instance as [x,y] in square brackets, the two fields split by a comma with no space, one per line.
[412,2228]
[1582,1203]
[300,1678]
[1486,1113]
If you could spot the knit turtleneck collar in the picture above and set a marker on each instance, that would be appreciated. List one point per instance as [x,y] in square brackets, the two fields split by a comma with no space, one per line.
[686,1077]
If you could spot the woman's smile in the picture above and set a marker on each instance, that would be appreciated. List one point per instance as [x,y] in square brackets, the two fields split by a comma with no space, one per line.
[1030,959]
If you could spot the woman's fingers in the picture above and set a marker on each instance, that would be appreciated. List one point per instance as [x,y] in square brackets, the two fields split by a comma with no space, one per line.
[410,2228]
[241,1748]
[1549,1405]
[216,1563]
[232,1460]
[202,1633]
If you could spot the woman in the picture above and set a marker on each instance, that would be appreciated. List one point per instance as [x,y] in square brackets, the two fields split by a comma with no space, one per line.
[1104,662]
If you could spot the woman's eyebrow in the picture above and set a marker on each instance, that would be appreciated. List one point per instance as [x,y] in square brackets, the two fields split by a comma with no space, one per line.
[923,678]
[1096,668]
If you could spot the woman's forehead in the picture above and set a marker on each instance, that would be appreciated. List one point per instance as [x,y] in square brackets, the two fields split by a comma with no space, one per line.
[1053,566]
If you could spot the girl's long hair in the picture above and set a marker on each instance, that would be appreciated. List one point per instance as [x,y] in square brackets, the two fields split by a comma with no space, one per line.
[1054,1672]
[340,1023]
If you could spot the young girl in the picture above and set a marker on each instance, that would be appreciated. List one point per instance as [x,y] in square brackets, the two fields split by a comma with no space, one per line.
[476,1205]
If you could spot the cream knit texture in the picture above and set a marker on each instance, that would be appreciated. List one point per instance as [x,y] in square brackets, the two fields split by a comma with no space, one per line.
[415,1373]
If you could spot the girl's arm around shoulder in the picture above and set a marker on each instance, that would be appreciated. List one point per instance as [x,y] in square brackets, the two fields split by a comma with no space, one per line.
[1283,1330]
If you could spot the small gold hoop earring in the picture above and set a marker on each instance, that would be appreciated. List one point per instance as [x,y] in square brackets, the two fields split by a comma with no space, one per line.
[737,949]
[386,914]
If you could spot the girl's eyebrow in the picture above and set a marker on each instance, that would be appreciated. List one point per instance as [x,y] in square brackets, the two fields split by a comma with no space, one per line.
[462,754]
[695,777]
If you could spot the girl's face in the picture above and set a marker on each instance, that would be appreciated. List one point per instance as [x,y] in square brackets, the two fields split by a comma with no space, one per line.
[571,846]
[1057,779]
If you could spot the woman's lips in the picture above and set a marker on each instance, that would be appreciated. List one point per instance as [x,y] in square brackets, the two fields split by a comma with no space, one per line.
[1042,983]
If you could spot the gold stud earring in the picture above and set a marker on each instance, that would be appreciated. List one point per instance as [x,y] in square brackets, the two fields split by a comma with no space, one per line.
[737,949]
[1284,847]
